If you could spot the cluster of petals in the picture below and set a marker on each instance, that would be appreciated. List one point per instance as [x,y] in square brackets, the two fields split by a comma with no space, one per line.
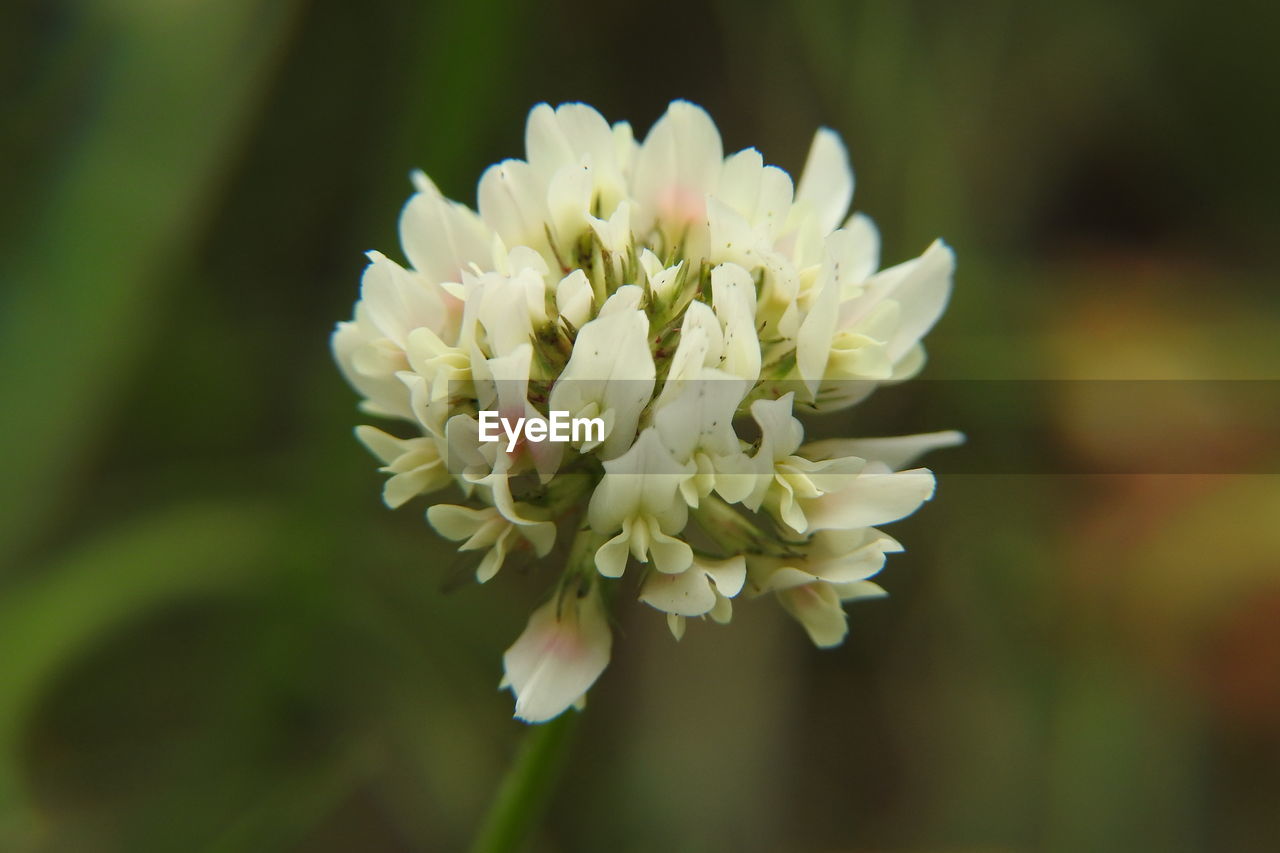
[694,303]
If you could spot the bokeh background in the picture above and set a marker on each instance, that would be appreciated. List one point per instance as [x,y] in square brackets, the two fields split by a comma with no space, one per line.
[213,637]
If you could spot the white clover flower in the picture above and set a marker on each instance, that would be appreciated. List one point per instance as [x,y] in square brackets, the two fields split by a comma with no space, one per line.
[705,589]
[561,653]
[679,298]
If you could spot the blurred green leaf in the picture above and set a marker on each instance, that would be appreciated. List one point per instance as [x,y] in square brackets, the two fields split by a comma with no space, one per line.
[59,613]
[177,83]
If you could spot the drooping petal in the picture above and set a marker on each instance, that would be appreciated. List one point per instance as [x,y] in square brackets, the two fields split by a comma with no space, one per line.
[562,651]
[687,593]
[816,606]
[698,590]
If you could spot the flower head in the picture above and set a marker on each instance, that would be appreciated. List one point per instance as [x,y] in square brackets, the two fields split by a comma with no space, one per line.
[688,304]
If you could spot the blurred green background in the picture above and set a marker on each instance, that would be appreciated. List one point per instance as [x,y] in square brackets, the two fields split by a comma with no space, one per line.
[213,637]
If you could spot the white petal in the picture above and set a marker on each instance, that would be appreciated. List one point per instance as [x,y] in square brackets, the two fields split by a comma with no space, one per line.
[826,184]
[399,301]
[813,344]
[776,196]
[458,522]
[493,558]
[351,343]
[574,298]
[513,204]
[780,432]
[506,309]
[723,611]
[734,300]
[611,367]
[864,251]
[402,488]
[670,555]
[569,198]
[920,286]
[859,590]
[643,481]
[727,575]
[611,557]
[872,499]
[563,650]
[897,451]
[442,238]
[568,135]
[817,607]
[698,414]
[688,593]
[678,164]
[382,445]
[739,185]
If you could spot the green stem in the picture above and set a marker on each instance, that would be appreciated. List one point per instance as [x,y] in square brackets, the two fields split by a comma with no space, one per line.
[527,787]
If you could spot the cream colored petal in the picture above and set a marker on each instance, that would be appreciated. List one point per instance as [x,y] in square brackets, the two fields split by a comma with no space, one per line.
[493,558]
[817,608]
[670,555]
[920,286]
[562,651]
[569,198]
[513,204]
[401,488]
[574,298]
[400,301]
[872,499]
[826,184]
[864,247]
[611,557]
[678,164]
[739,185]
[373,378]
[542,535]
[458,522]
[686,593]
[732,238]
[722,613]
[897,451]
[442,238]
[643,480]
[734,301]
[727,575]
[859,590]
[611,366]
[386,447]
[561,137]
[780,432]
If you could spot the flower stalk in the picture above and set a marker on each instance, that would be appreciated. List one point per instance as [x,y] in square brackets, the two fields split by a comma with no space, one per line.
[527,787]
